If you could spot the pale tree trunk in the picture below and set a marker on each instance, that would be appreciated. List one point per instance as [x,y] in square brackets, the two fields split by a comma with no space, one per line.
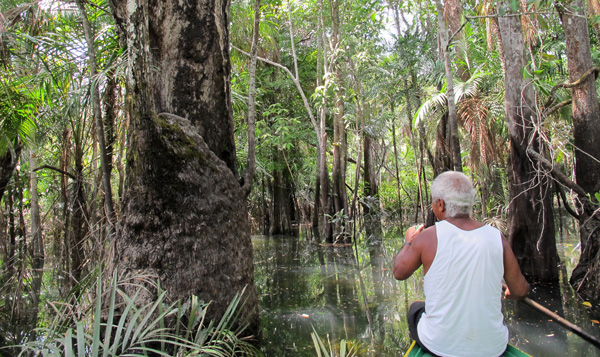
[338,171]
[452,118]
[326,201]
[185,217]
[97,112]
[530,218]
[593,13]
[249,172]
[586,131]
[453,16]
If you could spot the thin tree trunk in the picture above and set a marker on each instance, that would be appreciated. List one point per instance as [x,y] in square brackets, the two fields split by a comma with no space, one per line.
[452,118]
[36,230]
[338,173]
[249,172]
[453,17]
[79,219]
[397,170]
[97,110]
[65,244]
[326,201]
[12,236]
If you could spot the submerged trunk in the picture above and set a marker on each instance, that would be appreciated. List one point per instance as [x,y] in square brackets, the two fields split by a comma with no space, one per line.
[184,211]
[531,229]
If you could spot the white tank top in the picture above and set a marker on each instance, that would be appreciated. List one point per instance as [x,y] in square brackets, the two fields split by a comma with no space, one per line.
[463,294]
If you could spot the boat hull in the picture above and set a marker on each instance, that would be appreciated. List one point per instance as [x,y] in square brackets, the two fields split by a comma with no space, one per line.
[416,351]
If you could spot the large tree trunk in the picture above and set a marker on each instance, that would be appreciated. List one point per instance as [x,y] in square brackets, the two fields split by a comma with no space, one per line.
[185,217]
[530,219]
[586,131]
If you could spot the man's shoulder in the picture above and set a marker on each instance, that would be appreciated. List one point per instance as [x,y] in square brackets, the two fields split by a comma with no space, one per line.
[427,236]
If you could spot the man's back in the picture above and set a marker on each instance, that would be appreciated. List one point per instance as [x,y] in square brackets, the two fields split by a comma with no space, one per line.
[463,292]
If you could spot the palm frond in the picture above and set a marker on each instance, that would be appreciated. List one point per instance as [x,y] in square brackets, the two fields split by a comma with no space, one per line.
[436,104]
[154,328]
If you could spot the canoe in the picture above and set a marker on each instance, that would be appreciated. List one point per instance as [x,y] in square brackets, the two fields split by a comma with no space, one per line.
[416,351]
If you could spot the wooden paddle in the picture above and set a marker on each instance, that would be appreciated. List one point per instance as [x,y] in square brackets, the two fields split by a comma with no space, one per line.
[576,329]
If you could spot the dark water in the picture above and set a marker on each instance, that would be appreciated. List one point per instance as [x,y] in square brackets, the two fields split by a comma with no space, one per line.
[349,293]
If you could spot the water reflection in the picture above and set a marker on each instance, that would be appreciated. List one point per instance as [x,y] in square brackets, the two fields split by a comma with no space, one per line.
[348,293]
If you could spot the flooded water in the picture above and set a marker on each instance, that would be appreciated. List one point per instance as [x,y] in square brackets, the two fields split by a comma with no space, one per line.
[349,293]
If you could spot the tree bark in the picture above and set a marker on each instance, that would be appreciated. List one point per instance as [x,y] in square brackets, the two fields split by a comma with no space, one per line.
[185,217]
[586,131]
[531,229]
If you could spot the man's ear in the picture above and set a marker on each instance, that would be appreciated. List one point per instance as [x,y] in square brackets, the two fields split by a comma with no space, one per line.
[442,205]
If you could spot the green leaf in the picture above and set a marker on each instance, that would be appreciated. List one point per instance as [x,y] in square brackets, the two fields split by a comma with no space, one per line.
[543,24]
[514,6]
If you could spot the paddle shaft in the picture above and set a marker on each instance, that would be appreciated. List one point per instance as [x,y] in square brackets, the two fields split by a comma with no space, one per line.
[576,329]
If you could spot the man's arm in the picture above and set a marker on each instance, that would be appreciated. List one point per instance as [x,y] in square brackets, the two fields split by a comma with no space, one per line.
[408,259]
[517,285]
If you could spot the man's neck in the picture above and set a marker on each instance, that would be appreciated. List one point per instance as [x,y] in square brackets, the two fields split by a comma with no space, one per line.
[464,222]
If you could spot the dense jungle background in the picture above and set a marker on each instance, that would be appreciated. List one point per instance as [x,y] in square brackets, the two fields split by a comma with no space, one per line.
[143,143]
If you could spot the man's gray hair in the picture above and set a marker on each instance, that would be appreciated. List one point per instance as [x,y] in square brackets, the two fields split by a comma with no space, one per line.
[457,192]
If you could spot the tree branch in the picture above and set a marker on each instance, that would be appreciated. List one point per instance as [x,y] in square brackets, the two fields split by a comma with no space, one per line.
[55,169]
[556,107]
[566,203]
[557,174]
[578,82]
[455,33]
[296,83]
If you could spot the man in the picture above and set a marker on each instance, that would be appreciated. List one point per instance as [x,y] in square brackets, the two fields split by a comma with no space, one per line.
[464,262]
